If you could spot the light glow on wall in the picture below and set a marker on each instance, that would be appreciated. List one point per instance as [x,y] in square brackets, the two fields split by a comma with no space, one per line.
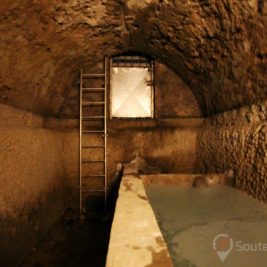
[131,92]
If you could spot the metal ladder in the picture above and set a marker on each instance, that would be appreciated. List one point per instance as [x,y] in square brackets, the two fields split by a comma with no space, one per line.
[93,135]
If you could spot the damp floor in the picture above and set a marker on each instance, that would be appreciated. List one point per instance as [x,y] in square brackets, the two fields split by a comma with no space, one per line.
[71,243]
[191,218]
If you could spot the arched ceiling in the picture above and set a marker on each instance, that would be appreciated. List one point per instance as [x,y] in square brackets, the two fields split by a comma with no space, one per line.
[219,48]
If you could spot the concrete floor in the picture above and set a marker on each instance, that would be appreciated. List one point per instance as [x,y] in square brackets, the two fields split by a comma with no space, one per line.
[191,218]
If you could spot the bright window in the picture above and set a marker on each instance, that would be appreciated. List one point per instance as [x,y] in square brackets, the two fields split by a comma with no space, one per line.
[131,90]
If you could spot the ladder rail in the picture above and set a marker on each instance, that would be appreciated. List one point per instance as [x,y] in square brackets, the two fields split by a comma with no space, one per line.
[80,143]
[105,127]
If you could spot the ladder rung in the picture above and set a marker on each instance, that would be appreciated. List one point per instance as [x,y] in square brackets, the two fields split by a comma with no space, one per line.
[93,117]
[93,103]
[93,75]
[94,190]
[88,132]
[96,175]
[94,89]
[78,187]
[92,161]
[93,146]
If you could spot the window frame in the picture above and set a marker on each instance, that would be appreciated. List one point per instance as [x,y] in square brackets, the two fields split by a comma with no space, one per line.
[150,63]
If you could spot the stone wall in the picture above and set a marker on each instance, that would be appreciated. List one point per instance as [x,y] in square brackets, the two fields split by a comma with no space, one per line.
[218,47]
[35,183]
[173,97]
[167,146]
[237,140]
[153,140]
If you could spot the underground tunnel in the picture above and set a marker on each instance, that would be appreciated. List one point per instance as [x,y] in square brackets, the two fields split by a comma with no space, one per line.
[133,133]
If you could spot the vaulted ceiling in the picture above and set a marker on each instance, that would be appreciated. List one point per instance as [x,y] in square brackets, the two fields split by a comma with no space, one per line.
[219,48]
